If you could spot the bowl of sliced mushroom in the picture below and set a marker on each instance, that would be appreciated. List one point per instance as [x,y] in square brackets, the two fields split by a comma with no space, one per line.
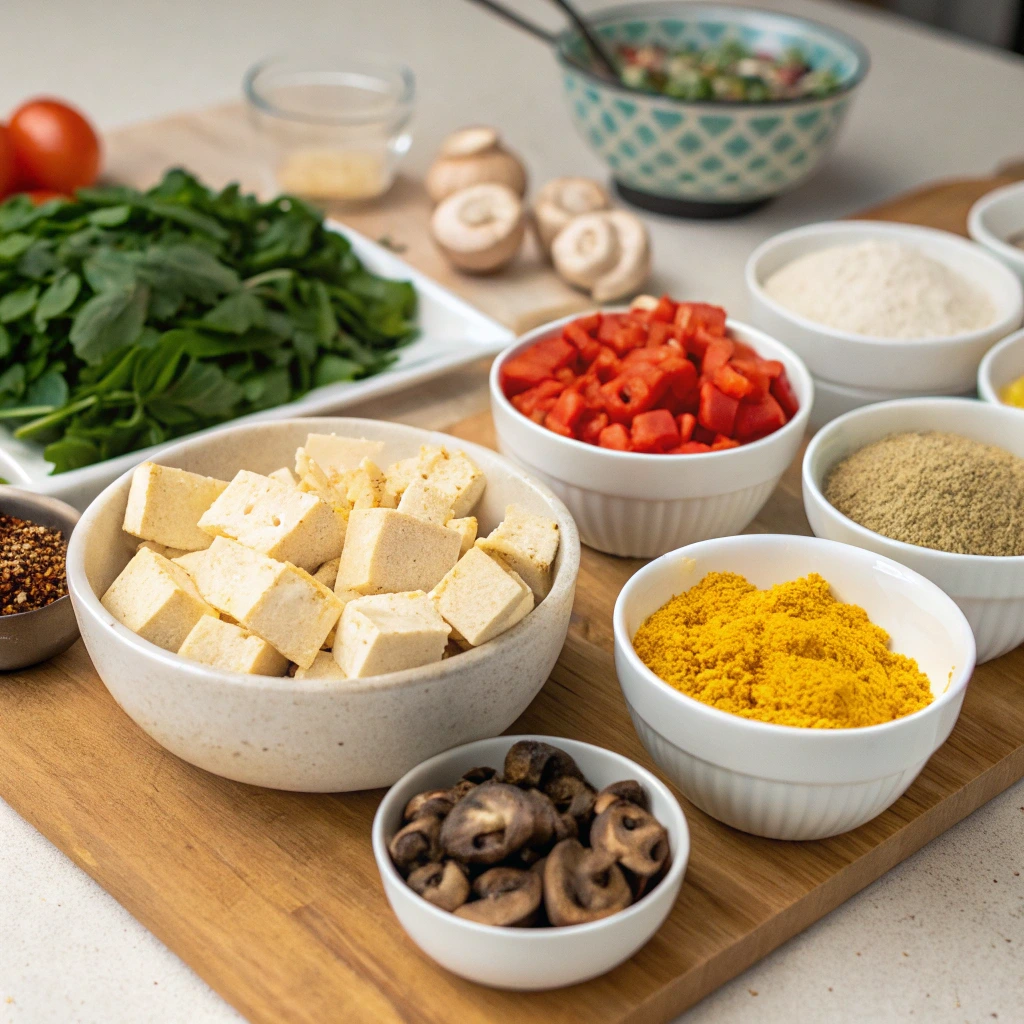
[530,862]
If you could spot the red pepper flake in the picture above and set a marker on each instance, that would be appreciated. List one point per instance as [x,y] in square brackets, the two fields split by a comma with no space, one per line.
[31,565]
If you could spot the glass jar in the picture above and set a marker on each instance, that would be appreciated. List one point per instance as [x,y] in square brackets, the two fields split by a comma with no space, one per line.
[336,128]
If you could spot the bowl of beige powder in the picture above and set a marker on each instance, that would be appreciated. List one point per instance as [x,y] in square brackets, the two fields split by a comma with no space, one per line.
[875,305]
[936,484]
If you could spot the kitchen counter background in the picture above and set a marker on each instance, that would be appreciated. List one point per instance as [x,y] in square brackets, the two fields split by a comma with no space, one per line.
[941,937]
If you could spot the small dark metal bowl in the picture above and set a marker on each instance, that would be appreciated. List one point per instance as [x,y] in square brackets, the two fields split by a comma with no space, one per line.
[27,638]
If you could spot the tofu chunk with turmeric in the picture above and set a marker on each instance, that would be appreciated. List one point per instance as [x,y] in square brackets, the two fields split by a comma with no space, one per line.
[284,476]
[232,648]
[164,505]
[466,528]
[388,633]
[480,600]
[277,520]
[450,472]
[276,600]
[327,574]
[388,552]
[156,599]
[526,543]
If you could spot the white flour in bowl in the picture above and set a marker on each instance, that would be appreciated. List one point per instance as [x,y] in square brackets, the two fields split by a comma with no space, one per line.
[881,289]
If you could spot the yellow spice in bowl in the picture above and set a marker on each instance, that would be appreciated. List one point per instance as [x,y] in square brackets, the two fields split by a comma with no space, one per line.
[790,655]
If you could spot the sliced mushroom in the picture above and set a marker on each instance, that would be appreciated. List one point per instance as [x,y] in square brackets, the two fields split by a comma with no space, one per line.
[559,201]
[508,897]
[586,249]
[478,776]
[633,836]
[582,885]
[572,797]
[488,825]
[416,843]
[629,790]
[479,229]
[531,763]
[474,156]
[445,885]
[434,803]
[634,260]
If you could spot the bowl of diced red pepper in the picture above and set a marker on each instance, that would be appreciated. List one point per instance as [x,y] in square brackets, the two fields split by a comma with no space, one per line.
[661,379]
[662,402]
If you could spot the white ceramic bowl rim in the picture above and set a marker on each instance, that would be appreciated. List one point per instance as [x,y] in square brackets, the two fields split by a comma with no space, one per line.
[797,423]
[978,227]
[911,232]
[564,580]
[951,559]
[986,385]
[823,737]
[555,935]
[720,12]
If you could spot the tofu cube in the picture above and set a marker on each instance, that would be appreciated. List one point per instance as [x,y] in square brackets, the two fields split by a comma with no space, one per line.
[451,473]
[466,529]
[388,552]
[156,599]
[327,574]
[324,667]
[339,455]
[232,648]
[284,476]
[278,521]
[160,549]
[479,599]
[275,600]
[526,543]
[425,501]
[367,486]
[164,505]
[389,633]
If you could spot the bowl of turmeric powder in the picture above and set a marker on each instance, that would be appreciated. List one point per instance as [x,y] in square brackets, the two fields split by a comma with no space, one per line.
[791,687]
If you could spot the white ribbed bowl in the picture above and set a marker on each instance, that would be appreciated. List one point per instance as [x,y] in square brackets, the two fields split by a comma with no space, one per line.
[997,217]
[989,589]
[1002,366]
[834,400]
[779,781]
[945,365]
[529,959]
[640,506]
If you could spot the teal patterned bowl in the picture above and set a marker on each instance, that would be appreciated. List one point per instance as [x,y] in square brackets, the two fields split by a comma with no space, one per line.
[707,157]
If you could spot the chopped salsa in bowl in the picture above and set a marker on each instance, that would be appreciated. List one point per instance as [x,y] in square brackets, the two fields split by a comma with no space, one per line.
[729,71]
[660,378]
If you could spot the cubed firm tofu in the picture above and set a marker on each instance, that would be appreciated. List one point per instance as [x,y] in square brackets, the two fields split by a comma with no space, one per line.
[339,455]
[275,600]
[480,599]
[156,599]
[284,476]
[277,520]
[425,501]
[164,505]
[450,472]
[232,648]
[526,543]
[389,633]
[160,549]
[388,552]
[466,528]
[327,574]
[324,667]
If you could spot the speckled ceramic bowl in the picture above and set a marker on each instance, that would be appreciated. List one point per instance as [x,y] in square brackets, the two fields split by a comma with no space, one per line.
[318,735]
[707,158]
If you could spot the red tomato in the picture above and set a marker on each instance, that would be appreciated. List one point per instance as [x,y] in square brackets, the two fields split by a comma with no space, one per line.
[44,195]
[8,171]
[55,146]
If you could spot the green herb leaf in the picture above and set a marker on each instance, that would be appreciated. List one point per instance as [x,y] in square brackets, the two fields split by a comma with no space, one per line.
[71,453]
[109,321]
[15,305]
[57,299]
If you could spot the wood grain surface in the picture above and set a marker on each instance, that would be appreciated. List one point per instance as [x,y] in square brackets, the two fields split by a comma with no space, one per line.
[274,899]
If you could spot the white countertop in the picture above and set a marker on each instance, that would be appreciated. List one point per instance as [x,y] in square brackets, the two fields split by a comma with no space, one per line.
[938,939]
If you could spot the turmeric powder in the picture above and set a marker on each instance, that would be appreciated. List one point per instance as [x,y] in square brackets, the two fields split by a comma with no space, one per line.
[791,655]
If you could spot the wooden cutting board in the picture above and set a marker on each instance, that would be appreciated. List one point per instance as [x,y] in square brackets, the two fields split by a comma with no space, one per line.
[274,899]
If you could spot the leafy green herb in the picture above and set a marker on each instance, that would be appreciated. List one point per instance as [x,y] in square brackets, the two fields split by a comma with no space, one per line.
[128,318]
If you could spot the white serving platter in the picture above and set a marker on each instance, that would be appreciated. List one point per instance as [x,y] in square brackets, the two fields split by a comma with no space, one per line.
[452,333]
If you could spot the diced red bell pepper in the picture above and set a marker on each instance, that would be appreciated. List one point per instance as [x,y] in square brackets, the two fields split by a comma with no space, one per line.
[628,337]
[731,383]
[782,392]
[664,311]
[741,350]
[587,346]
[614,436]
[660,333]
[606,365]
[717,411]
[691,316]
[772,367]
[758,419]
[536,402]
[537,363]
[721,443]
[566,413]
[686,424]
[591,426]
[754,371]
[690,448]
[565,375]
[718,353]
[635,390]
[683,378]
[703,435]
[589,323]
[654,431]
[589,386]
[610,324]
